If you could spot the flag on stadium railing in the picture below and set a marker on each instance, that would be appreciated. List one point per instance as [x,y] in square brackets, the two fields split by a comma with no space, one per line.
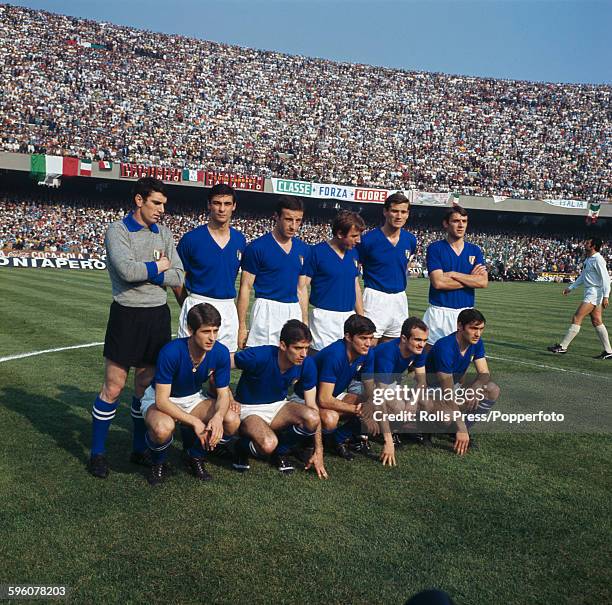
[193,175]
[105,165]
[593,212]
[85,168]
[53,165]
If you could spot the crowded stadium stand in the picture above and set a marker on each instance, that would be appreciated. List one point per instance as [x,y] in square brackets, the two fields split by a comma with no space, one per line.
[104,92]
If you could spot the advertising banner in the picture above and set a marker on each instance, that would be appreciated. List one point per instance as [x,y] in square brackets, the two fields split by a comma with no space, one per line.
[27,262]
[237,181]
[138,171]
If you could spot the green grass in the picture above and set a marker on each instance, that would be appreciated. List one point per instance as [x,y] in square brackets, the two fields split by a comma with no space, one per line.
[525,519]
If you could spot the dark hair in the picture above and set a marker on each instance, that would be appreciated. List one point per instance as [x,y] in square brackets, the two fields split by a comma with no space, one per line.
[203,314]
[145,186]
[222,189]
[396,198]
[468,316]
[344,220]
[410,324]
[287,202]
[597,243]
[358,324]
[295,331]
[460,210]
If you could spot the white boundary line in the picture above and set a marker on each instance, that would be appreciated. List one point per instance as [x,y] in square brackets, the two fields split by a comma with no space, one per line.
[508,359]
[545,367]
[34,353]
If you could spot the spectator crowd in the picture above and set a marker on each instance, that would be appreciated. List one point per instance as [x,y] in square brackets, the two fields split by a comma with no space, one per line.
[99,91]
[77,227]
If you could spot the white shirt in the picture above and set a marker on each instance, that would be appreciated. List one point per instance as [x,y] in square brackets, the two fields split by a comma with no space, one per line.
[594,275]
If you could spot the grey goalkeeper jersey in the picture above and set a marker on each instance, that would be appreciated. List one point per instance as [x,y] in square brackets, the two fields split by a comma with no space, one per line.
[131,252]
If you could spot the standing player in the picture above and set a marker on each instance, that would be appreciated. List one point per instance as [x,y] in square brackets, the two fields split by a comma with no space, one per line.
[332,272]
[268,372]
[142,261]
[455,268]
[384,254]
[175,395]
[596,280]
[391,360]
[448,361]
[272,265]
[337,365]
[211,256]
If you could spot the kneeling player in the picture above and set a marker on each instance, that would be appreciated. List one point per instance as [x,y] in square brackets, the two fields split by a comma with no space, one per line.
[268,372]
[448,361]
[391,360]
[184,365]
[337,365]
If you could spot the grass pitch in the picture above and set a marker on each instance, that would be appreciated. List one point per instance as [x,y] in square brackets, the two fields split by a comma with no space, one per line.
[525,519]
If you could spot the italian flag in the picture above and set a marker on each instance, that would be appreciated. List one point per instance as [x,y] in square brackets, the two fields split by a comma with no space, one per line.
[85,168]
[105,165]
[193,175]
[53,165]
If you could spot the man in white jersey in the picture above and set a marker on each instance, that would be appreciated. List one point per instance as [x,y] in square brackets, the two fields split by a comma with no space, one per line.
[596,280]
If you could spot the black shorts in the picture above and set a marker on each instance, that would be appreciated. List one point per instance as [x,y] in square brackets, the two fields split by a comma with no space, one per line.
[135,335]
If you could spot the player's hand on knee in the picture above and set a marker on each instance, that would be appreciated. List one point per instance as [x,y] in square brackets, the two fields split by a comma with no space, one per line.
[387,456]
[214,429]
[358,410]
[462,441]
[199,428]
[234,406]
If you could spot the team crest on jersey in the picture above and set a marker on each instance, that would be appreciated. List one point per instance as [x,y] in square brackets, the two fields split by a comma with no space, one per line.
[238,254]
[301,259]
[471,259]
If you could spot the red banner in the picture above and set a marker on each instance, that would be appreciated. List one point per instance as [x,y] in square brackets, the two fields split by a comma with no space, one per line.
[138,171]
[370,195]
[237,181]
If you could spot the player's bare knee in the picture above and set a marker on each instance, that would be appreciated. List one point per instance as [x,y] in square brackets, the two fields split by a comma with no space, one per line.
[231,422]
[268,443]
[311,420]
[329,419]
[111,391]
[492,391]
[161,429]
[596,321]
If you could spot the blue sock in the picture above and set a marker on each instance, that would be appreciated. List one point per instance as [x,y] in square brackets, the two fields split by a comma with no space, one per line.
[350,428]
[483,408]
[196,450]
[138,437]
[188,436]
[102,415]
[225,439]
[290,437]
[159,451]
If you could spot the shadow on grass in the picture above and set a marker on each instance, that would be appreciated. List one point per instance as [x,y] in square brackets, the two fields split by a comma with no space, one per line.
[67,420]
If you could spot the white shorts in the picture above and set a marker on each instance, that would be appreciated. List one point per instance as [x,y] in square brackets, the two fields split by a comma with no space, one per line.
[267,320]
[441,322]
[266,411]
[593,295]
[387,311]
[326,326]
[185,403]
[228,331]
